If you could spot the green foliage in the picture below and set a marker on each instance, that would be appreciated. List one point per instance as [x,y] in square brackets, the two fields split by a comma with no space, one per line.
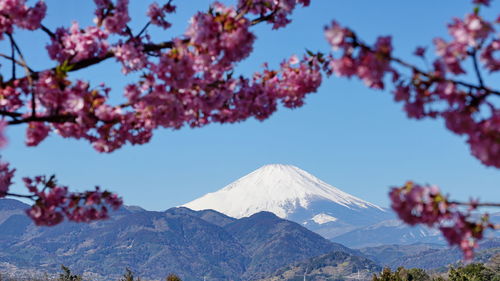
[473,272]
[173,277]
[129,276]
[402,274]
[68,276]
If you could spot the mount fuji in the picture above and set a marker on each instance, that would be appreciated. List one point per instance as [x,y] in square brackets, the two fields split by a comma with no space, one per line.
[296,195]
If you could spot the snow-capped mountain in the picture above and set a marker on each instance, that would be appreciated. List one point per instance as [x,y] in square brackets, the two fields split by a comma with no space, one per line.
[293,194]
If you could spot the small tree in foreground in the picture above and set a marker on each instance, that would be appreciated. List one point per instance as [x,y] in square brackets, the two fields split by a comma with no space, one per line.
[190,81]
[173,277]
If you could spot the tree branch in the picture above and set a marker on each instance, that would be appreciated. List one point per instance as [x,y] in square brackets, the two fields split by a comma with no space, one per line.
[14,60]
[48,31]
[20,195]
[485,204]
[473,54]
[13,56]
[51,119]
[428,75]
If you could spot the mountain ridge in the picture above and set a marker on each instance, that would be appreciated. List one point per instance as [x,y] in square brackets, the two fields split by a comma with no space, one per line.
[190,243]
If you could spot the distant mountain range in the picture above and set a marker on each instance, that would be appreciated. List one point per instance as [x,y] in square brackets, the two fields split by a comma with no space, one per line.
[428,256]
[192,244]
[272,224]
[198,244]
[390,232]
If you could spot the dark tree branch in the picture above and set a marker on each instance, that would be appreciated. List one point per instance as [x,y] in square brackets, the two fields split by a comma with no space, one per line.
[28,75]
[10,114]
[485,204]
[14,60]
[48,31]
[473,55]
[427,74]
[143,29]
[13,56]
[51,119]
[21,195]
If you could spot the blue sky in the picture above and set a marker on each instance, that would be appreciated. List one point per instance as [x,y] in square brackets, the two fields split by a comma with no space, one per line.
[351,137]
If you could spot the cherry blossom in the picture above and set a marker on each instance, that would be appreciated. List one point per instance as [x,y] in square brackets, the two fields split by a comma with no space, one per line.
[427,205]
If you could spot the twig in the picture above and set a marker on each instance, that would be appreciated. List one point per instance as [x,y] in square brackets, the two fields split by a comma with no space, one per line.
[485,204]
[51,119]
[20,195]
[428,75]
[473,54]
[48,31]
[28,74]
[10,114]
[143,29]
[14,60]
[13,56]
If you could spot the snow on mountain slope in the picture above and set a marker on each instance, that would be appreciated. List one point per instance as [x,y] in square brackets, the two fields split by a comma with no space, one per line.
[277,188]
[294,194]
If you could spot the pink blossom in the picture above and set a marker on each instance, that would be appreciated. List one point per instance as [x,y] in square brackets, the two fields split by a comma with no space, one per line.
[36,132]
[75,44]
[425,204]
[470,31]
[113,17]
[6,176]
[15,12]
[131,55]
[337,36]
[491,56]
[420,51]
[280,10]
[53,203]
[3,138]
[482,2]
[157,14]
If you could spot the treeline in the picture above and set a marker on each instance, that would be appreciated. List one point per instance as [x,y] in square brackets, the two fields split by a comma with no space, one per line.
[470,272]
[67,275]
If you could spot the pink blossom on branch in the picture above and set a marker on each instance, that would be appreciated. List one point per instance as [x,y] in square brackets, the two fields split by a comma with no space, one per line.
[467,109]
[113,17]
[424,204]
[75,44]
[157,14]
[17,13]
[6,175]
[53,203]
[275,12]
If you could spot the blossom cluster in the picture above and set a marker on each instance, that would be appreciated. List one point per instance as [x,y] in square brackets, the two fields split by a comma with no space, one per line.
[188,81]
[6,175]
[53,202]
[275,12]
[75,44]
[113,17]
[425,204]
[467,109]
[158,13]
[17,13]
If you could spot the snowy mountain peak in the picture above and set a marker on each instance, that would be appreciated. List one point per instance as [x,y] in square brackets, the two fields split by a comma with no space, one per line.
[277,188]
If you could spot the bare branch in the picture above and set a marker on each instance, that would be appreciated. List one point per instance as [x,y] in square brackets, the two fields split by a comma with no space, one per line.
[51,119]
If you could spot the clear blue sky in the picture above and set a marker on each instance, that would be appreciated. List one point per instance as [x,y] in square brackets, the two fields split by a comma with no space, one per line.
[349,136]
